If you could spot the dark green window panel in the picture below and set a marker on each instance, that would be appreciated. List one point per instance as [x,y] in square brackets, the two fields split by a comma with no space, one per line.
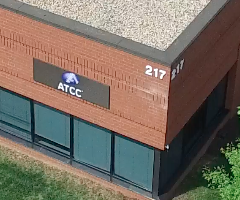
[216,101]
[171,161]
[92,144]
[15,110]
[52,124]
[134,162]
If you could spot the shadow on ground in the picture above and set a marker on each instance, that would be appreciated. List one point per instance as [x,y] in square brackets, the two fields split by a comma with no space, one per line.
[194,187]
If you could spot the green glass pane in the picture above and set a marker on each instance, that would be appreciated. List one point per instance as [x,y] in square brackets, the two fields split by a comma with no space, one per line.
[52,124]
[134,162]
[15,110]
[92,144]
[216,100]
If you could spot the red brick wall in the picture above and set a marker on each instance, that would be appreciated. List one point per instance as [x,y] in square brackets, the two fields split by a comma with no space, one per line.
[234,91]
[138,102]
[207,61]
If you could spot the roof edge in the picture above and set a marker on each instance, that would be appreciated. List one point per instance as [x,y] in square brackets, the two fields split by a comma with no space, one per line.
[166,58]
[86,31]
[195,28]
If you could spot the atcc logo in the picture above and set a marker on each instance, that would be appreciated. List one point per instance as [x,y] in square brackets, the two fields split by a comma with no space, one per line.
[70,78]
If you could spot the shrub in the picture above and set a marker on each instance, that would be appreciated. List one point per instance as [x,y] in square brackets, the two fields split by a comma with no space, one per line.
[218,178]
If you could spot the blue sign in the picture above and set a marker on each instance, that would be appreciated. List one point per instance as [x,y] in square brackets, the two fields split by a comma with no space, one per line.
[70,78]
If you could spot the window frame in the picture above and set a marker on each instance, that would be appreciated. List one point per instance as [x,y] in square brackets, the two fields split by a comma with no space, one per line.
[75,119]
[60,149]
[204,125]
[69,158]
[15,127]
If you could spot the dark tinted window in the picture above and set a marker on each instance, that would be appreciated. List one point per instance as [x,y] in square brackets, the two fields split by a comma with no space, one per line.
[52,124]
[92,144]
[216,101]
[134,162]
[15,114]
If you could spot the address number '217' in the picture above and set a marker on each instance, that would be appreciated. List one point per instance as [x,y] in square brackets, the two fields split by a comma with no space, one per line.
[155,72]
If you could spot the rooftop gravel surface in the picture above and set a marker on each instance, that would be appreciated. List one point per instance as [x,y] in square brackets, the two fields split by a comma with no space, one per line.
[156,23]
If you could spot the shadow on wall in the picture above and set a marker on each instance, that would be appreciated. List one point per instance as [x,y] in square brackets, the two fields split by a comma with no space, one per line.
[212,157]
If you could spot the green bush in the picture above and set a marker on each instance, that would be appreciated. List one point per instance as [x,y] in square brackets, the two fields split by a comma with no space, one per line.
[238,112]
[228,183]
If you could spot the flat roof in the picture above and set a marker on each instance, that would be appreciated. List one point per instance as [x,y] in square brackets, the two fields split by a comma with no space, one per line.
[155,23]
[169,56]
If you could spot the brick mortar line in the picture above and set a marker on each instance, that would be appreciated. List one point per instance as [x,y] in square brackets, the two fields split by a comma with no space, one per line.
[203,86]
[55,55]
[201,61]
[103,75]
[109,111]
[52,53]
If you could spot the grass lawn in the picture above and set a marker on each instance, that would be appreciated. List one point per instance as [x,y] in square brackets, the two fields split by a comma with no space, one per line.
[194,187]
[22,178]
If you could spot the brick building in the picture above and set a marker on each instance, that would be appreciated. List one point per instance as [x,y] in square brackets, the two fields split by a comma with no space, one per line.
[134,104]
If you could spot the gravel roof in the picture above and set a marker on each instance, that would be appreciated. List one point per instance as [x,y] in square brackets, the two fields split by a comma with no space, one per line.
[156,23]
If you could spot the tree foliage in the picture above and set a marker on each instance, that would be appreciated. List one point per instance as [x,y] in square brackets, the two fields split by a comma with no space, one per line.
[228,183]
